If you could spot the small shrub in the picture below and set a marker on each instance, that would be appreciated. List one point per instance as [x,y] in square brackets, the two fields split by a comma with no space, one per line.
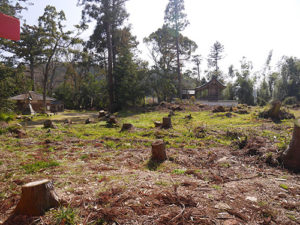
[66,216]
[6,117]
[32,168]
[193,99]
[177,100]
[290,101]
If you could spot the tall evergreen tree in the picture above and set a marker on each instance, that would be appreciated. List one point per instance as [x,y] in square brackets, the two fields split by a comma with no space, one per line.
[109,14]
[176,19]
[215,55]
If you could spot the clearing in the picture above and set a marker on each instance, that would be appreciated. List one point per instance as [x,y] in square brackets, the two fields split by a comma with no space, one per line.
[221,169]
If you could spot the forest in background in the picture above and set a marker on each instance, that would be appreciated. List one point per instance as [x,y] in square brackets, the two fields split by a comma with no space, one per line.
[106,71]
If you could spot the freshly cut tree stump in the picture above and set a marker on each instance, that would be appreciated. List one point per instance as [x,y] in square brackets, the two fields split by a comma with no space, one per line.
[37,197]
[102,113]
[166,123]
[126,126]
[157,124]
[291,157]
[159,151]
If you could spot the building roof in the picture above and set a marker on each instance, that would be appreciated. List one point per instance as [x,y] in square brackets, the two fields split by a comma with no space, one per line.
[33,95]
[213,82]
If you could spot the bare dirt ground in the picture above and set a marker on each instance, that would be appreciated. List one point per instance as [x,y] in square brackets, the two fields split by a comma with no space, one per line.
[225,172]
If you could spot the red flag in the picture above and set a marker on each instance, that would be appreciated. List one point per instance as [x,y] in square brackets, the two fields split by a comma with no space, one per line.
[9,27]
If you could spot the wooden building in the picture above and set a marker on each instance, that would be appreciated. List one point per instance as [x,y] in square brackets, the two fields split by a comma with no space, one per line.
[211,91]
[32,102]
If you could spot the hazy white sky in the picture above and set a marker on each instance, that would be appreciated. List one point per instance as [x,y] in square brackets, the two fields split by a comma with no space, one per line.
[248,28]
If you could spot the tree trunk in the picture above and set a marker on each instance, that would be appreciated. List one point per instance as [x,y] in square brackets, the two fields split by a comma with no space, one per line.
[37,197]
[32,76]
[109,46]
[178,53]
[159,151]
[178,67]
[291,157]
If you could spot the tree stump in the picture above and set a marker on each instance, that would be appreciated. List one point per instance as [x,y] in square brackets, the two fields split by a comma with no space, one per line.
[189,117]
[159,151]
[88,121]
[291,157]
[157,124]
[102,113]
[37,197]
[126,126]
[67,121]
[275,110]
[20,133]
[49,124]
[166,123]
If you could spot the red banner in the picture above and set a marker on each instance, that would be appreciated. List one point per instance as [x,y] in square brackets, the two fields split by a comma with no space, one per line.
[9,27]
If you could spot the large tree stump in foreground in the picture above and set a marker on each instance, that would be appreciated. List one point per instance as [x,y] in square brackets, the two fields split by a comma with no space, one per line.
[291,157]
[166,123]
[37,197]
[159,151]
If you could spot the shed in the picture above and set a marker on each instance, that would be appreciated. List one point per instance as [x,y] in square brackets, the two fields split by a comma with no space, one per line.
[32,102]
[210,91]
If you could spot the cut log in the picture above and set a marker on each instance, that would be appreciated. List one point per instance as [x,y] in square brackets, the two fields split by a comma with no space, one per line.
[291,157]
[37,197]
[126,126]
[159,151]
[166,123]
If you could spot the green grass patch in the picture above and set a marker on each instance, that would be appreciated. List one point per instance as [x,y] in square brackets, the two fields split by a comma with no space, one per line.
[32,168]
[284,186]
[179,171]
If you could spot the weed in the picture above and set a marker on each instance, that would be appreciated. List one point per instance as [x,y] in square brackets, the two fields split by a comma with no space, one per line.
[162,183]
[1,163]
[32,168]
[217,187]
[291,217]
[83,157]
[284,186]
[65,216]
[178,171]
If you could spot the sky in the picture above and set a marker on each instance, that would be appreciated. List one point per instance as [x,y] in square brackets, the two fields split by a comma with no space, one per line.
[249,28]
